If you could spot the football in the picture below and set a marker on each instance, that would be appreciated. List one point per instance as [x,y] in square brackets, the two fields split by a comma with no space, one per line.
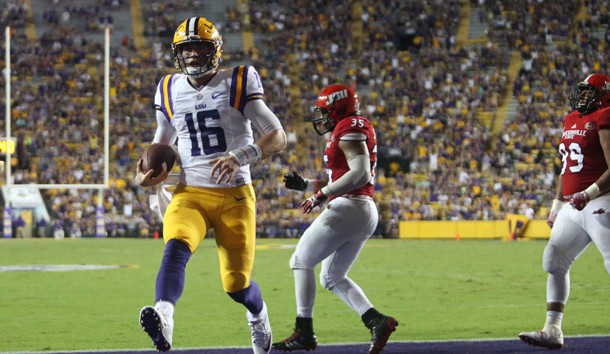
[159,157]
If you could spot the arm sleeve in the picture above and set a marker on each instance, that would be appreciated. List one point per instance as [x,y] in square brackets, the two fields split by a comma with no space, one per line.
[165,133]
[358,175]
[262,117]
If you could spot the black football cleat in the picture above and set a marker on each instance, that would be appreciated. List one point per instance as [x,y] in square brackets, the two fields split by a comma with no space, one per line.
[302,338]
[381,328]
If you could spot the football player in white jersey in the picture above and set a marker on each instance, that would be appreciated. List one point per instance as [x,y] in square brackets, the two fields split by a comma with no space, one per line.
[338,234]
[580,213]
[209,111]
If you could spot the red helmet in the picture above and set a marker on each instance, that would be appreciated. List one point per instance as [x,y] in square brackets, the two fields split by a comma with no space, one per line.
[591,94]
[334,103]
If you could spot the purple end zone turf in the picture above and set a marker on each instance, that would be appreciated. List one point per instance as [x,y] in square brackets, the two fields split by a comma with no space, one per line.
[572,345]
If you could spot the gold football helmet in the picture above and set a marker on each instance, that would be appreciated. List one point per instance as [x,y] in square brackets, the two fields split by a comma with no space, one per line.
[197,30]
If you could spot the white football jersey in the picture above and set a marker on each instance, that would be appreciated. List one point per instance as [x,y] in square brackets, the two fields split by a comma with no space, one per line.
[209,121]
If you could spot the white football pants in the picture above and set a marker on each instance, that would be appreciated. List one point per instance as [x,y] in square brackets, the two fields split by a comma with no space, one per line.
[335,238]
[572,232]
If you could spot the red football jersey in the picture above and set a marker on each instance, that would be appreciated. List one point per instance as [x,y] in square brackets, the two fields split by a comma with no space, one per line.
[334,159]
[582,157]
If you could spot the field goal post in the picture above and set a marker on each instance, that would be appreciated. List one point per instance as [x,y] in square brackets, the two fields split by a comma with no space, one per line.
[100,227]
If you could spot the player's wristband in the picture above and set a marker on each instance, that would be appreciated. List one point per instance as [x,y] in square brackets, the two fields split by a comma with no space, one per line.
[246,155]
[593,190]
[557,204]
[327,191]
[312,184]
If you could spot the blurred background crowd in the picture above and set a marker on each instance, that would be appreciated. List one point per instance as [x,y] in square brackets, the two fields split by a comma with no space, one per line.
[467,98]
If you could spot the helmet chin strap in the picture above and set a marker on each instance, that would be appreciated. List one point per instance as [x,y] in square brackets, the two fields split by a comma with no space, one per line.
[202,70]
[197,75]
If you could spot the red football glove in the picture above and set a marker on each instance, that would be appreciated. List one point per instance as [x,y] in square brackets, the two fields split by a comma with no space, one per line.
[579,200]
[308,204]
[550,220]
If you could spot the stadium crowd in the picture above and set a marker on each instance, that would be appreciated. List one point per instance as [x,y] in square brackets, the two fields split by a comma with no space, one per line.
[439,159]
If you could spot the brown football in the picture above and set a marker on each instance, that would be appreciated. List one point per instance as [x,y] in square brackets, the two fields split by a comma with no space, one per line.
[159,157]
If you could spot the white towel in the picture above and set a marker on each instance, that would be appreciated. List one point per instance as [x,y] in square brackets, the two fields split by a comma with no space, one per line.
[158,202]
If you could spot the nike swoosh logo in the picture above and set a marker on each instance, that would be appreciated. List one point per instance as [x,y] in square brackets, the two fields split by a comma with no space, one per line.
[239,199]
[268,346]
[216,95]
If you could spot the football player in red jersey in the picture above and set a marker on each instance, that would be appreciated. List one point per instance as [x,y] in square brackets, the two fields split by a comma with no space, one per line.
[338,234]
[580,213]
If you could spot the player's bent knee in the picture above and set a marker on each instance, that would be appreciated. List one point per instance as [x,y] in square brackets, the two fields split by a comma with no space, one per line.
[185,240]
[329,281]
[326,281]
[554,261]
[233,282]
[297,262]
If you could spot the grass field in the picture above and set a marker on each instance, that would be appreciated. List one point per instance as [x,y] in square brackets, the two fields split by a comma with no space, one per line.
[436,289]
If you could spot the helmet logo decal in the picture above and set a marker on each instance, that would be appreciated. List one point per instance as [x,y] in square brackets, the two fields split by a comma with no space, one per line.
[335,96]
[588,77]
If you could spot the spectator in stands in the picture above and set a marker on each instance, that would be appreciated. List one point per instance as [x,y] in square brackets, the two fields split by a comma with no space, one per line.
[19,225]
[41,228]
[57,72]
[58,230]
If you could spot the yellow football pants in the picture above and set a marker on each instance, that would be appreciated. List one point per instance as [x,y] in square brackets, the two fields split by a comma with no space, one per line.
[231,212]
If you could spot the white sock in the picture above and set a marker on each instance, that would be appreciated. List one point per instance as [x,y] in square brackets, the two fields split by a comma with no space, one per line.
[166,308]
[352,295]
[305,291]
[553,320]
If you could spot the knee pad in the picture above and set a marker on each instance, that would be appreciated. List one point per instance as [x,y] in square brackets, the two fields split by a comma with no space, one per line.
[327,281]
[234,281]
[554,261]
[297,262]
